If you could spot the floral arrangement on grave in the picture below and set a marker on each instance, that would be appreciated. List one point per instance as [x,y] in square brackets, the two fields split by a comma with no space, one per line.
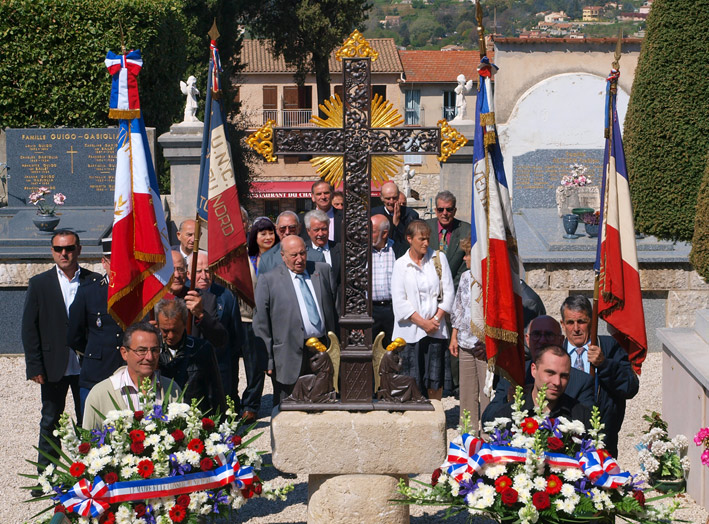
[592,219]
[702,439]
[43,208]
[166,464]
[532,469]
[577,177]
[662,458]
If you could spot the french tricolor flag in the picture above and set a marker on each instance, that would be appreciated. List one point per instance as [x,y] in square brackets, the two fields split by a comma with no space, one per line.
[496,304]
[620,301]
[141,264]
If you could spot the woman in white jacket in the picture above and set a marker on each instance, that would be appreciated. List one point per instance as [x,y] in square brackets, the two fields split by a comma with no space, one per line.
[422,295]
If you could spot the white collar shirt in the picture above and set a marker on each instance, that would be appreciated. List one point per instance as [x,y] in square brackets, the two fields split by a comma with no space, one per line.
[129,389]
[69,289]
[309,329]
[325,250]
[331,215]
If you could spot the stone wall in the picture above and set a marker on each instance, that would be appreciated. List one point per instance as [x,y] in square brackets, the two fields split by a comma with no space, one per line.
[14,273]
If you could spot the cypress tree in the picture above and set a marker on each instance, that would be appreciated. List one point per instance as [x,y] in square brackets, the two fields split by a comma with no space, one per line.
[666,128]
[700,242]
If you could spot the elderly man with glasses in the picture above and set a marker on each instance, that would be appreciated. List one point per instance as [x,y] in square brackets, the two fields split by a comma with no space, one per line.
[49,360]
[287,224]
[141,352]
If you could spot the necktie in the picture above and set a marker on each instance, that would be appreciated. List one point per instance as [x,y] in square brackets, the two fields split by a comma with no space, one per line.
[443,244]
[310,305]
[579,360]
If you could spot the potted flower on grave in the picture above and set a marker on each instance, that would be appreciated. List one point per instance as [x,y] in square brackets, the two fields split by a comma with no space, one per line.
[535,469]
[591,221]
[165,463]
[575,190]
[663,459]
[46,213]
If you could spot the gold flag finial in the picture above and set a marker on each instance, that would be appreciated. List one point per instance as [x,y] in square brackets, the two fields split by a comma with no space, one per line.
[481,28]
[618,47]
[214,32]
[356,46]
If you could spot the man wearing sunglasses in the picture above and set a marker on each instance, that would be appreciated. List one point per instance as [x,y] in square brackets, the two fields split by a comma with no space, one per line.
[447,232]
[287,224]
[50,362]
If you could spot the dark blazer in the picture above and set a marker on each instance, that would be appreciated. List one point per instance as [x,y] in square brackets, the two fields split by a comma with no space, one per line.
[338,215]
[209,328]
[278,326]
[580,388]
[398,233]
[566,407]
[454,254]
[45,324]
[270,259]
[94,333]
[335,255]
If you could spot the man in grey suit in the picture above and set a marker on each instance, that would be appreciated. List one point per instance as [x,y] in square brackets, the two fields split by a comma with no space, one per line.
[287,224]
[320,249]
[294,302]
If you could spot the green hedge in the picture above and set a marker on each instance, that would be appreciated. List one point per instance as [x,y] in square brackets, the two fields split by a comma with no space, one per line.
[666,128]
[700,242]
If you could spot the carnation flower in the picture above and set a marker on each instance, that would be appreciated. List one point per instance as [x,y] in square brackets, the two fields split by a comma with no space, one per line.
[540,500]
[207,423]
[509,496]
[84,448]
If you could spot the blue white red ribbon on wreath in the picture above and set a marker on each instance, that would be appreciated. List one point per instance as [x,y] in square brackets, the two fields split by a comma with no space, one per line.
[474,454]
[91,500]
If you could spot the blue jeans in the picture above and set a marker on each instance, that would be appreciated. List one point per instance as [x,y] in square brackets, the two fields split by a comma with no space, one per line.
[53,404]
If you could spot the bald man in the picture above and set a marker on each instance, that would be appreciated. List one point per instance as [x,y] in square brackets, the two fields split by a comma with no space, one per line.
[383,258]
[185,235]
[399,216]
[543,331]
[294,301]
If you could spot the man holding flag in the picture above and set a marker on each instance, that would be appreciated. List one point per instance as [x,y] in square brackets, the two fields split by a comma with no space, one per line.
[141,266]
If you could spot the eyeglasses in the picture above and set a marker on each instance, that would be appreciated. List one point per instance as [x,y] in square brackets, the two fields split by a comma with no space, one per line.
[142,351]
[442,209]
[69,249]
[180,270]
[539,334]
[283,229]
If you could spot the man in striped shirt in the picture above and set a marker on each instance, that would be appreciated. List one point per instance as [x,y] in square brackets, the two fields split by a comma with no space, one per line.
[383,258]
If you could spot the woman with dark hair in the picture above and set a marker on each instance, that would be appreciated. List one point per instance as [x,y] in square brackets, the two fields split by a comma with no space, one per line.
[262,237]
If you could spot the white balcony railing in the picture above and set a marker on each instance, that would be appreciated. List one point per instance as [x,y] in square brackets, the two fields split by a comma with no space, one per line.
[287,117]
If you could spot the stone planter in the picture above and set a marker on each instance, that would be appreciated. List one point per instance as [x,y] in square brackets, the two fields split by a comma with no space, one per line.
[568,198]
[46,222]
[668,485]
[591,230]
[570,222]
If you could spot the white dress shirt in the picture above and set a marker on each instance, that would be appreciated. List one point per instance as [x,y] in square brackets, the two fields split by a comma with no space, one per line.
[331,233]
[69,289]
[415,289]
[309,328]
[325,252]
[130,390]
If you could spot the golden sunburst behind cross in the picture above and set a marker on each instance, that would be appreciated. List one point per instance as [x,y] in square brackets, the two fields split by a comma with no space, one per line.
[384,167]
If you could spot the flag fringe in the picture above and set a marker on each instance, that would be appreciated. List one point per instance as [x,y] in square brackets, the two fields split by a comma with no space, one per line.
[610,298]
[494,368]
[151,257]
[129,289]
[487,119]
[123,114]
[504,335]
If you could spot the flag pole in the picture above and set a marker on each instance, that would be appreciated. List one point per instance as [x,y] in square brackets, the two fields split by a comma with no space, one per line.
[608,134]
[213,34]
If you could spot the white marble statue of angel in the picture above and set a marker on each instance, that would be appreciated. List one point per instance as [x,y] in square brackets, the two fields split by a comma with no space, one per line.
[461,106]
[192,93]
[407,176]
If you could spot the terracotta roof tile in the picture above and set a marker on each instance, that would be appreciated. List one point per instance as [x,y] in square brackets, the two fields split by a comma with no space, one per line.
[439,66]
[257,57]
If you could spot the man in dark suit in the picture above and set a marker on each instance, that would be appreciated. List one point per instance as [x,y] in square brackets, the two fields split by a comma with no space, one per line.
[320,249]
[294,302]
[399,216]
[322,198]
[93,332]
[286,224]
[49,360]
[614,377]
[447,232]
[543,331]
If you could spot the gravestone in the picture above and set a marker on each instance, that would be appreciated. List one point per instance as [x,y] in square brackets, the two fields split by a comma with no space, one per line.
[537,174]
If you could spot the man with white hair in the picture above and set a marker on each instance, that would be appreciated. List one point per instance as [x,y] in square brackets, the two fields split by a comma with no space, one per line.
[320,249]
[383,257]
[287,224]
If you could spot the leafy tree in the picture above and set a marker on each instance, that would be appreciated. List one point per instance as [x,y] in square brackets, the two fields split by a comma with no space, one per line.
[666,129]
[305,32]
[699,256]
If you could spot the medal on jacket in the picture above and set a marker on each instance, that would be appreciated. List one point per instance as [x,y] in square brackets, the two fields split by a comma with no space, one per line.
[98,320]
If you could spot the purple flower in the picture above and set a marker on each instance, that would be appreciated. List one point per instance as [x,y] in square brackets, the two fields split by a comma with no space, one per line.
[217,498]
[157,414]
[583,486]
[469,486]
[101,434]
[176,468]
[587,446]
[500,439]
[552,425]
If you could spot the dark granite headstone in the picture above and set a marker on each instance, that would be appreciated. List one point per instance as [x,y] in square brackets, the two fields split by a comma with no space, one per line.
[91,224]
[537,174]
[80,163]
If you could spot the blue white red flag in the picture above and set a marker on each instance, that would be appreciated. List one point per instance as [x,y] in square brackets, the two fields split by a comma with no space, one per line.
[620,301]
[218,200]
[125,101]
[141,264]
[496,304]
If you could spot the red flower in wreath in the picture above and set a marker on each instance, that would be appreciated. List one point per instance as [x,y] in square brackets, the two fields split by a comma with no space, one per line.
[77,469]
[196,445]
[178,435]
[236,440]
[529,426]
[84,448]
[137,435]
[177,513]
[183,500]
[59,508]
[541,500]
[140,510]
[640,497]
[509,496]
[502,483]
[247,493]
[137,447]
[108,518]
[555,443]
[553,485]
[138,415]
[258,489]
[145,468]
[206,464]
[435,476]
[110,477]
[207,423]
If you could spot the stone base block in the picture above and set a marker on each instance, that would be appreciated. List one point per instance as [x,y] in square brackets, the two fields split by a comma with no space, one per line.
[354,499]
[375,442]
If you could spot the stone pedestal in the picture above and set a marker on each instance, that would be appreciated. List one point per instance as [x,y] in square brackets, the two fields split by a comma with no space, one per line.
[354,460]
[456,172]
[182,147]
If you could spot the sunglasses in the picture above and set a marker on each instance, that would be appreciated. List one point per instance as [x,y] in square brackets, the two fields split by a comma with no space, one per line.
[442,209]
[282,229]
[69,249]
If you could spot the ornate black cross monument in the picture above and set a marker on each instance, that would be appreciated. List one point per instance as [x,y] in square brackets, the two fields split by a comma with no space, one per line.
[356,141]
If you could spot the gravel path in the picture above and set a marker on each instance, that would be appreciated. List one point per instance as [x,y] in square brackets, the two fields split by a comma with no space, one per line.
[21,412]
